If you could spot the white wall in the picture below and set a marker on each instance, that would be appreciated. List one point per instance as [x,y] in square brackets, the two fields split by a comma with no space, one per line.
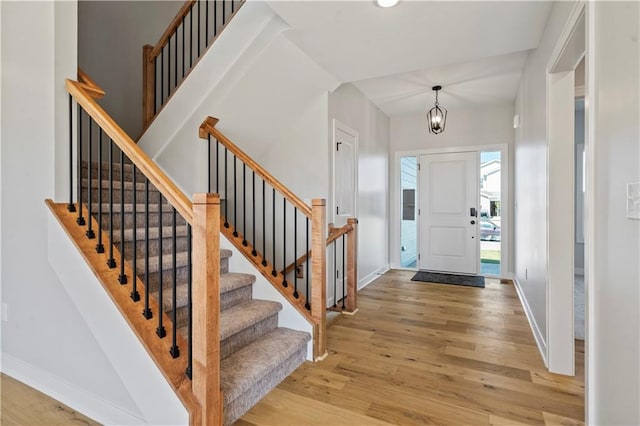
[110,39]
[614,277]
[476,128]
[349,106]
[530,248]
[579,195]
[45,341]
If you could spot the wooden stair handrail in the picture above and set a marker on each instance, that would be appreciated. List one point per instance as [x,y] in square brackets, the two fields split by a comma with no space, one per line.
[208,127]
[89,85]
[140,159]
[175,23]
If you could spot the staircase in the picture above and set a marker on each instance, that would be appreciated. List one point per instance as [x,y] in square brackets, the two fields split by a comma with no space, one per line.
[255,354]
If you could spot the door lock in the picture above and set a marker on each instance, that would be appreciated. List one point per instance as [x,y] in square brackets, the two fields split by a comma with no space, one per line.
[473,222]
[473,212]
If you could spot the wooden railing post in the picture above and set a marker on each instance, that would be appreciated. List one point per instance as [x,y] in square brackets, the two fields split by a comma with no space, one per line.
[352,267]
[318,277]
[148,85]
[206,307]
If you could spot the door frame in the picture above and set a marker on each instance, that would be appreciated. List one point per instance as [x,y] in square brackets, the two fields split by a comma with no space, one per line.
[506,269]
[560,93]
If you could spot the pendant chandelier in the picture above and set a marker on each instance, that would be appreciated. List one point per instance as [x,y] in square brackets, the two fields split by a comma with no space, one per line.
[437,116]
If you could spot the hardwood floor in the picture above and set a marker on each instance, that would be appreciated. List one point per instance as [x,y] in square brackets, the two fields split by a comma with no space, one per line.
[418,354]
[25,406]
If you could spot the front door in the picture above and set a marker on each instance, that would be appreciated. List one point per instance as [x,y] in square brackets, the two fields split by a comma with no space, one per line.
[449,212]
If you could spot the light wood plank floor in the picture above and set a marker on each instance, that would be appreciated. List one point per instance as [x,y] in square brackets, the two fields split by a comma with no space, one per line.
[418,354]
[25,406]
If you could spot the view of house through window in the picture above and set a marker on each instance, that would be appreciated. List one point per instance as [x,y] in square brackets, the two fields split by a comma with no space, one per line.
[490,231]
[409,224]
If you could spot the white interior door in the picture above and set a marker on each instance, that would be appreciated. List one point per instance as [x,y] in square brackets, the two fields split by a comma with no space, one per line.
[449,212]
[345,193]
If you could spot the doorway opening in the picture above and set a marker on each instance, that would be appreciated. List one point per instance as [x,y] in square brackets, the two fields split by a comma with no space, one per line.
[490,212]
[409,222]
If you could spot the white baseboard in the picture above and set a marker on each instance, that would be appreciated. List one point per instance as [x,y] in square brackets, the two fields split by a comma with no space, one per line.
[537,335]
[69,394]
[365,281]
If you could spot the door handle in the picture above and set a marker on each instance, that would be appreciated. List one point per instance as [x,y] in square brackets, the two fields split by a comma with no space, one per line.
[473,222]
[473,212]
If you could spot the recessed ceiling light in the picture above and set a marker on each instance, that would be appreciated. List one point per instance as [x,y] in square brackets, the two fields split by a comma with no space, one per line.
[387,3]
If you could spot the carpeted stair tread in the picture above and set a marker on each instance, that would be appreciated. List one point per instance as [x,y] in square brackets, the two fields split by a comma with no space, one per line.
[234,280]
[245,368]
[167,262]
[167,297]
[244,315]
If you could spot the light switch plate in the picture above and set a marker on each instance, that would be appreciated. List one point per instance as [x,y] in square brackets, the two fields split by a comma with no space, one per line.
[633,200]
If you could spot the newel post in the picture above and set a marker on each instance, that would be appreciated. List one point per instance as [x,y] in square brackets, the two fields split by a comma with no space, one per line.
[352,267]
[319,277]
[206,307]
[148,85]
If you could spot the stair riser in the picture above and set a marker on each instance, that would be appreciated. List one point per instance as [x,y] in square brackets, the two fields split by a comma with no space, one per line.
[235,297]
[154,196]
[167,218]
[182,275]
[182,245]
[128,172]
[241,339]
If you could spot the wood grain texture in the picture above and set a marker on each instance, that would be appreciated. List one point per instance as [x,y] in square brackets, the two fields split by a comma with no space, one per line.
[23,405]
[352,266]
[171,28]
[319,277]
[146,165]
[417,354]
[206,309]
[158,349]
[208,127]
[148,86]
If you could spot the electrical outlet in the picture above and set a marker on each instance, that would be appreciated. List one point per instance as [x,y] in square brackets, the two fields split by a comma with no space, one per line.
[5,312]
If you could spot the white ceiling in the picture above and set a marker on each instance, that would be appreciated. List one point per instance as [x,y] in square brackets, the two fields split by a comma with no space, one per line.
[475,50]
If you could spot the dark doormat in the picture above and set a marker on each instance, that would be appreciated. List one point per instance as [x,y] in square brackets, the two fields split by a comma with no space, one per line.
[438,278]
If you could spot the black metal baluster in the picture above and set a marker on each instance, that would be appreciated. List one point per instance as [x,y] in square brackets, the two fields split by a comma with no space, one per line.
[335,276]
[344,294]
[226,193]
[253,207]
[161,76]
[295,252]
[224,14]
[169,67]
[273,231]
[206,20]
[175,62]
[122,279]
[232,6]
[235,198]
[264,226]
[160,331]
[100,246]
[155,85]
[218,166]
[189,307]
[80,220]
[70,207]
[90,234]
[111,262]
[174,351]
[284,242]
[307,304]
[209,163]
[147,310]
[135,296]
[183,50]
[191,37]
[244,204]
[199,19]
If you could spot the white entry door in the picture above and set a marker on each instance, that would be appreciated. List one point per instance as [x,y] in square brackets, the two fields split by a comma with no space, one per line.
[449,212]
[345,180]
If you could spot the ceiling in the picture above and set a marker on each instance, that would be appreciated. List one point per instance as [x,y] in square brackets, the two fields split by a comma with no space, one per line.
[476,50]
